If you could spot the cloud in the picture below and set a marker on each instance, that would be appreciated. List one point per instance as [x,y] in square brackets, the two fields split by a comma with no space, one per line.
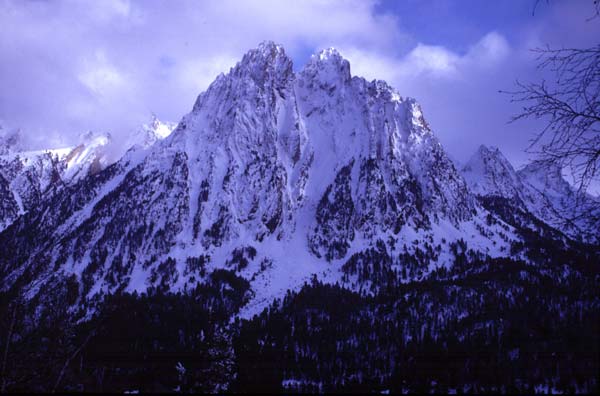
[106,10]
[491,50]
[200,72]
[69,66]
[430,61]
[101,77]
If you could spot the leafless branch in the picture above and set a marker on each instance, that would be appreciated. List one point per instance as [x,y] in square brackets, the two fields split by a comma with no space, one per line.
[571,106]
[595,3]
[9,336]
[70,358]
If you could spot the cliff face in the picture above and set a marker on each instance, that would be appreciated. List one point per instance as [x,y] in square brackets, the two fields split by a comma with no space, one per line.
[306,170]
[542,191]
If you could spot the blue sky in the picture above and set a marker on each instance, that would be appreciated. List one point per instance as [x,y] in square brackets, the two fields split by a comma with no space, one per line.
[458,23]
[69,66]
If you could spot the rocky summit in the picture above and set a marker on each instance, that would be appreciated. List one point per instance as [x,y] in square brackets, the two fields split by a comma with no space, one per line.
[280,185]
[316,162]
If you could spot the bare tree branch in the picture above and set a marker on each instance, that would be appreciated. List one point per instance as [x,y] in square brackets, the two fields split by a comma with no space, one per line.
[70,358]
[9,336]
[595,3]
[569,103]
[571,106]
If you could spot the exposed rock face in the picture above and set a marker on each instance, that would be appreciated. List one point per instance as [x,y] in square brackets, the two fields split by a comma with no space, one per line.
[308,169]
[488,172]
[540,190]
[26,177]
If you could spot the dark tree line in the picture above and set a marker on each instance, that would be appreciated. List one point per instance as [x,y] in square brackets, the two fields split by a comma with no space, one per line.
[505,327]
[483,325]
[154,342]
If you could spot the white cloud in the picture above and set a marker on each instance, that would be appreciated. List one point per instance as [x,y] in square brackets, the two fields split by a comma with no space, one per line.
[157,56]
[101,77]
[105,10]
[93,59]
[429,61]
[491,50]
[198,73]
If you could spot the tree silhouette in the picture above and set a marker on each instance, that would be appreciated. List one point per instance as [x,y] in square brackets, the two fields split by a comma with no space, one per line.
[569,105]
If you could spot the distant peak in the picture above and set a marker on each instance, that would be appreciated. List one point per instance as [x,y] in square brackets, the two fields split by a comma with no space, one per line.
[330,54]
[545,176]
[90,139]
[542,170]
[490,154]
[488,159]
[154,121]
[156,129]
[269,46]
[483,149]
[10,141]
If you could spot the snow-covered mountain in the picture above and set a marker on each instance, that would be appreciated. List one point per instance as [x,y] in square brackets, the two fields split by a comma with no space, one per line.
[24,176]
[276,175]
[148,134]
[27,176]
[541,190]
[316,186]
[488,172]
[10,140]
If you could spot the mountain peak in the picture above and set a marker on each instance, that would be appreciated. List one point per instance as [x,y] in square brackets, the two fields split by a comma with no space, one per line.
[90,138]
[488,172]
[267,61]
[328,67]
[483,149]
[315,162]
[484,155]
[10,141]
[545,176]
[540,169]
[538,188]
[491,157]
[269,47]
[330,54]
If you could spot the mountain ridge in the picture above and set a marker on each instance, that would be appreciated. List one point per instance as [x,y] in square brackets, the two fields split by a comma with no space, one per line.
[27,175]
[540,190]
[318,162]
[296,232]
